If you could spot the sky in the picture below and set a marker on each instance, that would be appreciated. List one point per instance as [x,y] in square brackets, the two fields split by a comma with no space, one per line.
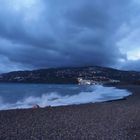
[38,34]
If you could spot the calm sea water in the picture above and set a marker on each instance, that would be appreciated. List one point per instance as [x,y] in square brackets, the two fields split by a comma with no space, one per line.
[26,95]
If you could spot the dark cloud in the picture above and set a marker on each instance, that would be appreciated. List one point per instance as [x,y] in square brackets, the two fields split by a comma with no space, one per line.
[40,33]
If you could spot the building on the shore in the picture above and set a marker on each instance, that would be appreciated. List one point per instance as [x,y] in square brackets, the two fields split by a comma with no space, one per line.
[96,81]
[82,81]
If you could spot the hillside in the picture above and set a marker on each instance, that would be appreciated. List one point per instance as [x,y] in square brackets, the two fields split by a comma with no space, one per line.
[83,75]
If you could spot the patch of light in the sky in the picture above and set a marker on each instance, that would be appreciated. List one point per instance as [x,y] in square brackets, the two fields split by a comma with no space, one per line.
[129,43]
[137,1]
[20,4]
[28,9]
[133,55]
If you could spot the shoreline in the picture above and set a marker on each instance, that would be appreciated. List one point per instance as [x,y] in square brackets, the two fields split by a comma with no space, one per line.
[111,120]
[36,106]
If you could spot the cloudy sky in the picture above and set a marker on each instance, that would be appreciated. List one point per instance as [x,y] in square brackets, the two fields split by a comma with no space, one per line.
[55,33]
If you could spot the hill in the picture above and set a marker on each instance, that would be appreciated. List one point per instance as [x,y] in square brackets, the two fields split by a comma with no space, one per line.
[82,75]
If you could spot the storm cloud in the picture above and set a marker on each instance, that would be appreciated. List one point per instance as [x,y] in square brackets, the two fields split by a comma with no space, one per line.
[52,33]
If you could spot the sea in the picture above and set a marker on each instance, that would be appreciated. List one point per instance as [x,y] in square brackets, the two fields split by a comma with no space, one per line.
[18,96]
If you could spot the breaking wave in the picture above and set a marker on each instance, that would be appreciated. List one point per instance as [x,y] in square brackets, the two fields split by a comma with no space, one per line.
[96,93]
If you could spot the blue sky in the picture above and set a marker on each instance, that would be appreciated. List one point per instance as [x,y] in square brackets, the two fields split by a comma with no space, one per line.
[50,33]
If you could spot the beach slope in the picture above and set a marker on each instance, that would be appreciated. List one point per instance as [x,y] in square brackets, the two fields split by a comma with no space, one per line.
[115,120]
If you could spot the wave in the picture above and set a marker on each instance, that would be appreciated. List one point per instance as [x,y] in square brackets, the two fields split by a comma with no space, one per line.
[96,93]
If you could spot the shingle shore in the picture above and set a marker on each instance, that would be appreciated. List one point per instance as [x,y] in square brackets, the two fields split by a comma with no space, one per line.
[116,120]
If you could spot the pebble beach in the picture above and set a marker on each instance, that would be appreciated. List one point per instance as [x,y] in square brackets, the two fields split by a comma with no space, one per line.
[113,120]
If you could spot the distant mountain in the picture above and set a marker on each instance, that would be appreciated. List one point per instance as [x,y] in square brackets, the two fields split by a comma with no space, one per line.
[82,75]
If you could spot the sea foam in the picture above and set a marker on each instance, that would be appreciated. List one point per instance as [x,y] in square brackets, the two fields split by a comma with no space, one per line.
[96,93]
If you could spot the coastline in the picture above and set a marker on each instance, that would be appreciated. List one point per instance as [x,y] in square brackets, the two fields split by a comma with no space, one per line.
[107,120]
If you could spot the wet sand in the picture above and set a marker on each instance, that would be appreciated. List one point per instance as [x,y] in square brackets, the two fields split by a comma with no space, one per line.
[115,120]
